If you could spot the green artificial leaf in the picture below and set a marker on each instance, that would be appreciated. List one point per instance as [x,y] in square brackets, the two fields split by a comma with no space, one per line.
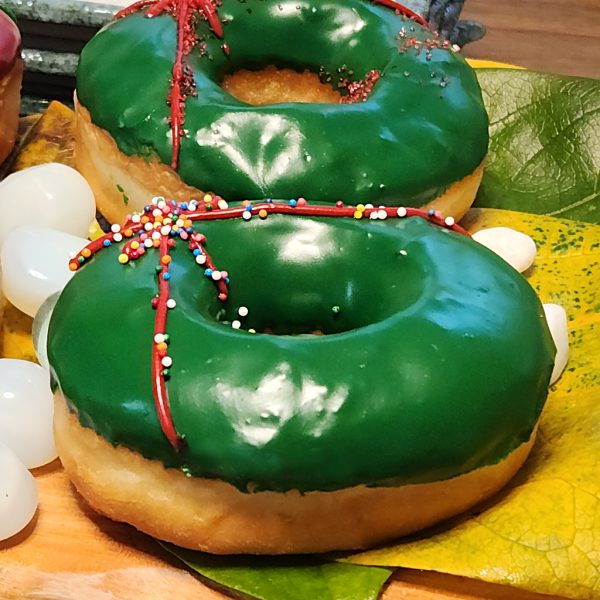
[286,578]
[544,155]
[9,11]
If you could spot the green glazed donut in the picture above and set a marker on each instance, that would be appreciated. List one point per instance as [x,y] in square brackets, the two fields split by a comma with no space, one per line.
[436,360]
[422,128]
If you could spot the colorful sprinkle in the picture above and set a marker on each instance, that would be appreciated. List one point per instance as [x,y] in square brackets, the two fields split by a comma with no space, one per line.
[162,222]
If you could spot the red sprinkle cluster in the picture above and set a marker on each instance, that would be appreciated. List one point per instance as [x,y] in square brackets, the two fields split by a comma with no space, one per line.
[427,46]
[359,91]
[163,222]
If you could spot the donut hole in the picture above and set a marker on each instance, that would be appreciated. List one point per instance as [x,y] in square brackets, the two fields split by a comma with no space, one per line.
[273,85]
[346,303]
[309,278]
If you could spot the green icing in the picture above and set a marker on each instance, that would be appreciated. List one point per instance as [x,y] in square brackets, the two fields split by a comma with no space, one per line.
[437,359]
[415,135]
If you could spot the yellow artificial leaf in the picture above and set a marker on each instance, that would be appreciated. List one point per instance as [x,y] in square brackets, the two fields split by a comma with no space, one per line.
[15,334]
[51,139]
[478,63]
[542,533]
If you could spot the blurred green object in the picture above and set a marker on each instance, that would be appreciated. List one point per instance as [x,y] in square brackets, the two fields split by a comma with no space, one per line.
[9,12]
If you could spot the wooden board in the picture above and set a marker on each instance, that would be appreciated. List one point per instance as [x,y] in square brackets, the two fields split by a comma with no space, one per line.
[68,552]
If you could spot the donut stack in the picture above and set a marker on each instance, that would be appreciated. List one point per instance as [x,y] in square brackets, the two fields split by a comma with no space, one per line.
[286,344]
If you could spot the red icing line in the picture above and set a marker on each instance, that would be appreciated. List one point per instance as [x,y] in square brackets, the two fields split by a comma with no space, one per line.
[159,388]
[197,243]
[176,98]
[320,211]
[210,12]
[135,7]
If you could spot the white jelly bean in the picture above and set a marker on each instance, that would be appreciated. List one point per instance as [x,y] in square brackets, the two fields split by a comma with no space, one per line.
[39,329]
[35,265]
[18,494]
[557,323]
[516,248]
[50,195]
[26,412]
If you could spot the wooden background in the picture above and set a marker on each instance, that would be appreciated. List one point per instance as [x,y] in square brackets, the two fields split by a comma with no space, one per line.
[558,36]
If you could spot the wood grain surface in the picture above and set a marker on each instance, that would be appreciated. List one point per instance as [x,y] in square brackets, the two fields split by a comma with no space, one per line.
[545,35]
[68,552]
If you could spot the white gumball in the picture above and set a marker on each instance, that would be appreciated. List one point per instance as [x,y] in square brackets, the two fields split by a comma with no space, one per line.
[516,248]
[50,195]
[39,329]
[35,265]
[26,412]
[556,318]
[18,494]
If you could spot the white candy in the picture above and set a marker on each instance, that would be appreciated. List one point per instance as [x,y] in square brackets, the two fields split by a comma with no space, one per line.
[35,265]
[39,329]
[516,248]
[557,323]
[50,195]
[26,411]
[18,494]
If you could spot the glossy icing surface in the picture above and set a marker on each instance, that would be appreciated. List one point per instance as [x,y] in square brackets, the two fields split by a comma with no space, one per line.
[418,380]
[10,43]
[422,128]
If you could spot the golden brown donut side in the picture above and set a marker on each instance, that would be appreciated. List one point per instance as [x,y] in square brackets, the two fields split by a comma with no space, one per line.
[213,516]
[113,176]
